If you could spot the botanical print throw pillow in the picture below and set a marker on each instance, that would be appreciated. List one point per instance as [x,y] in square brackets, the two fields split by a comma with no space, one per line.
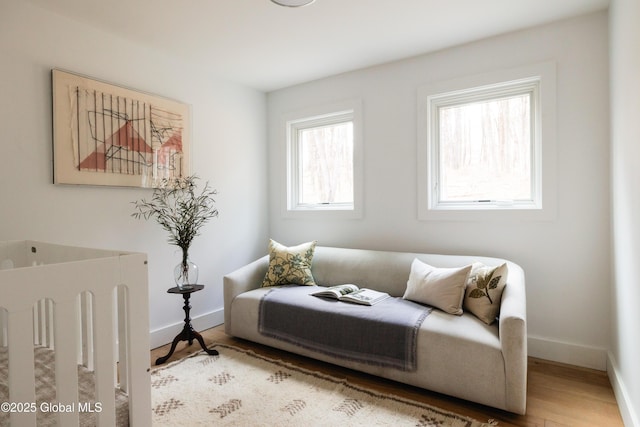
[484,291]
[289,265]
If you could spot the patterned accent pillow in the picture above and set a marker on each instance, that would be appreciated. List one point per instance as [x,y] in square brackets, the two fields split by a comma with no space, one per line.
[442,288]
[289,265]
[484,291]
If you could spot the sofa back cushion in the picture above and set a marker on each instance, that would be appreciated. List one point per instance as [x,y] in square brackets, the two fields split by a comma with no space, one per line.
[385,271]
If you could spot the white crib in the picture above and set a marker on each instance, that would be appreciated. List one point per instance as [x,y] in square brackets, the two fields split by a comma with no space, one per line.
[91,307]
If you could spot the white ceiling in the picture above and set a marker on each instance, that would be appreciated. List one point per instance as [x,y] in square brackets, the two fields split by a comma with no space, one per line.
[262,45]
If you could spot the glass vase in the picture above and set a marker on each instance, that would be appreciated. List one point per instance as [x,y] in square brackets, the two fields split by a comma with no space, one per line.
[186,274]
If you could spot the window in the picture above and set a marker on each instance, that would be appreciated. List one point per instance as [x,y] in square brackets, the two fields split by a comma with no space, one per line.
[323,163]
[322,149]
[482,146]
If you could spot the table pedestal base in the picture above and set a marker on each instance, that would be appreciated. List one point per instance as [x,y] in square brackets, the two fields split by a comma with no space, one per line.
[188,333]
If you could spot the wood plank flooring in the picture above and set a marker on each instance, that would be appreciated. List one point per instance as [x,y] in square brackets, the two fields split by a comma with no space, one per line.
[558,395]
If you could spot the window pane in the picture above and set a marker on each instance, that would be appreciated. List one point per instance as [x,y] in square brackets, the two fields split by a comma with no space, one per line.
[326,159]
[485,150]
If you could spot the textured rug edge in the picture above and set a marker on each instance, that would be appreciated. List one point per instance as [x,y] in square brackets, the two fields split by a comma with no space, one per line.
[330,378]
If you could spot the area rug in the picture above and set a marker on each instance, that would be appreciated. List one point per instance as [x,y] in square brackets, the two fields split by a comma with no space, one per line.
[242,388]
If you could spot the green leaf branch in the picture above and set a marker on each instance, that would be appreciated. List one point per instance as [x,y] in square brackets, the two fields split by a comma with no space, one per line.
[180,209]
[485,283]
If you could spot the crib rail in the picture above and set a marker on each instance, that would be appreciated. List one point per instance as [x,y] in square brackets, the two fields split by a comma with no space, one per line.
[91,307]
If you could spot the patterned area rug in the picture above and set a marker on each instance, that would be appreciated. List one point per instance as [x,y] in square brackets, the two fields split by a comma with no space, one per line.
[242,388]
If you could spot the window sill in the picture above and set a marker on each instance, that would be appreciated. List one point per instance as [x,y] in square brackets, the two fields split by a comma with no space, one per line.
[488,214]
[322,213]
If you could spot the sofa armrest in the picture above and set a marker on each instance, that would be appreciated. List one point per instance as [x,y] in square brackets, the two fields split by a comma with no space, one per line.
[513,339]
[242,280]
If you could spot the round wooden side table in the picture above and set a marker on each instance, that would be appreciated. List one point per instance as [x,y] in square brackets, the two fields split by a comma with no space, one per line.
[188,333]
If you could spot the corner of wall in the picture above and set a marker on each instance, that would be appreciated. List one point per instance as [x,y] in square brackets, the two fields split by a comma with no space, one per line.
[629,416]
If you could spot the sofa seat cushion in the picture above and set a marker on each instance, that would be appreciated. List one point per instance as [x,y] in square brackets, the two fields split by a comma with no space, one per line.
[245,313]
[462,356]
[444,341]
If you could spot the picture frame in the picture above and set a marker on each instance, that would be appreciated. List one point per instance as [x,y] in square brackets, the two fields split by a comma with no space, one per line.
[104,134]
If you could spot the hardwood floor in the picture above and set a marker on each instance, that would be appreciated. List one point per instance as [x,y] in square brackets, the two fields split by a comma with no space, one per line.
[558,395]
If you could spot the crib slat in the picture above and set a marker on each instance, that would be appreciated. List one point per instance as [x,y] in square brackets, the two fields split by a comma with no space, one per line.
[36,324]
[21,367]
[86,324]
[3,327]
[123,338]
[79,330]
[42,322]
[66,366]
[135,278]
[103,341]
[51,343]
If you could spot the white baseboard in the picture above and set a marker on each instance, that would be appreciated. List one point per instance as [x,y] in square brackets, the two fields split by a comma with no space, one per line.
[627,411]
[165,335]
[572,354]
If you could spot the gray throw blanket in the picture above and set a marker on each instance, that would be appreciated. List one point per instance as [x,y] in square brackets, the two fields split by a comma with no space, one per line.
[384,334]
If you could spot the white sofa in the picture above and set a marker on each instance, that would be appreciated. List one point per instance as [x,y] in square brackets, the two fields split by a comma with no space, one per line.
[456,355]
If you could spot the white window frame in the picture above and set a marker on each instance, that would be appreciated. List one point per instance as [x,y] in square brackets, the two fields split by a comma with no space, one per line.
[539,81]
[529,87]
[346,111]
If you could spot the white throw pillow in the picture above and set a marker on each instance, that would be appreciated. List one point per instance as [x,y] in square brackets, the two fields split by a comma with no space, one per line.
[442,288]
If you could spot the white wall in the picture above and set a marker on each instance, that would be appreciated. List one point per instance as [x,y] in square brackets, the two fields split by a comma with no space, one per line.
[566,260]
[229,150]
[625,171]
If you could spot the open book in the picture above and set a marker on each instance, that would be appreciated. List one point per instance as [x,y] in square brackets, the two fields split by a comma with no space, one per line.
[351,293]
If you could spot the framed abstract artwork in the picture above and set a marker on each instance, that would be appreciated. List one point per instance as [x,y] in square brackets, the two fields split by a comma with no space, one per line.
[109,135]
